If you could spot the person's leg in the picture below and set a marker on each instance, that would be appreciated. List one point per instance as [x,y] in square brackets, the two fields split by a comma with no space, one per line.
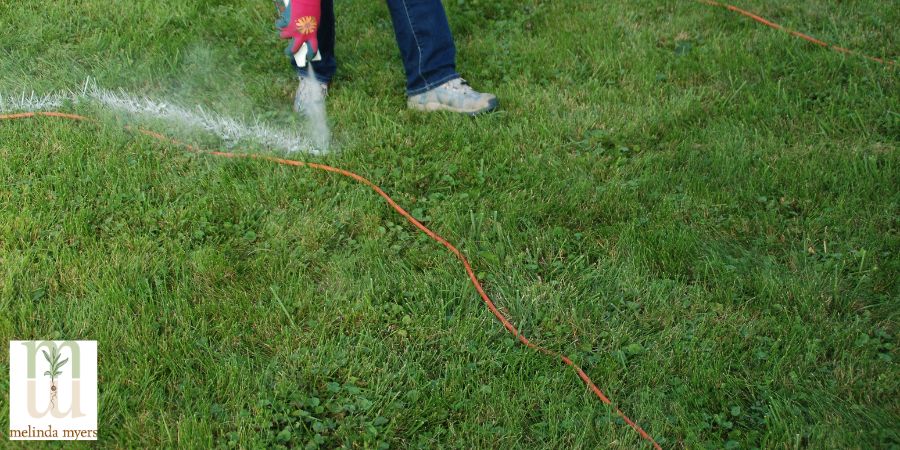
[326,68]
[426,44]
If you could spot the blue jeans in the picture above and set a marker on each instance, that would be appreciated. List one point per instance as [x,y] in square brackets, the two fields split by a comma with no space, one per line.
[423,35]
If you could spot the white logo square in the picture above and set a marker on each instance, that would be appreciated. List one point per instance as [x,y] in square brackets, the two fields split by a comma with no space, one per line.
[53,390]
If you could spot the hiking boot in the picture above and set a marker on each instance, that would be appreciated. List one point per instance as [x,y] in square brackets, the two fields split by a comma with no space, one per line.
[310,93]
[456,96]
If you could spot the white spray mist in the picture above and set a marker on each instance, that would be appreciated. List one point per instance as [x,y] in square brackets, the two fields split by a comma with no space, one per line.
[231,130]
[318,116]
[314,108]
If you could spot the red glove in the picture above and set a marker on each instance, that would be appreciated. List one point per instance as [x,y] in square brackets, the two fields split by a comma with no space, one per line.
[300,23]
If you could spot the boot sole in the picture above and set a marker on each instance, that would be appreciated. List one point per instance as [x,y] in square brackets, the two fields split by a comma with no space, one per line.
[434,106]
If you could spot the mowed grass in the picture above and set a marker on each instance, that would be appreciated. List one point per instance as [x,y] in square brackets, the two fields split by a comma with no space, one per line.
[701,211]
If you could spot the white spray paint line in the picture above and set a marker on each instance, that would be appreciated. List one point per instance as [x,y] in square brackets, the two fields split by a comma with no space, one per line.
[31,102]
[228,129]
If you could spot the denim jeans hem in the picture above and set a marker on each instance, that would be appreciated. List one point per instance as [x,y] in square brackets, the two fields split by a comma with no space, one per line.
[431,84]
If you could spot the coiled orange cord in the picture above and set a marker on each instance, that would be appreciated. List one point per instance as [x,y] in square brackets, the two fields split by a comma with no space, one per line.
[393,204]
[798,34]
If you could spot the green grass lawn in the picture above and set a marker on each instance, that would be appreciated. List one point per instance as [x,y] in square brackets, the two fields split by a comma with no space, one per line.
[702,212]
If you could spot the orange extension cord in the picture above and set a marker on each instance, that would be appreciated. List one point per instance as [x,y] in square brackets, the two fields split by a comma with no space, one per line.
[359,178]
[798,34]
